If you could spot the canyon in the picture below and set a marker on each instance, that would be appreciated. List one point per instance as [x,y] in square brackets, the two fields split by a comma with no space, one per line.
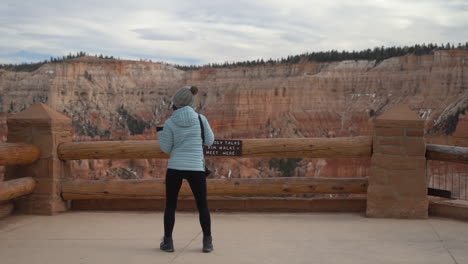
[117,99]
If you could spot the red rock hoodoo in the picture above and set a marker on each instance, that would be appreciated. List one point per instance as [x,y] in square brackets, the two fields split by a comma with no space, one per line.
[114,99]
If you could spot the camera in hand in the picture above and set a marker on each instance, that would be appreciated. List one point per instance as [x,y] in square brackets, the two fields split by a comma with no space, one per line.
[159,129]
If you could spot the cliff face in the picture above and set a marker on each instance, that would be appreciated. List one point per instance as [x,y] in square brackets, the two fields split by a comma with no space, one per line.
[330,99]
[111,100]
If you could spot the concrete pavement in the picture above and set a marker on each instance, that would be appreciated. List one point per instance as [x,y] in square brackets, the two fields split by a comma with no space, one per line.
[133,237]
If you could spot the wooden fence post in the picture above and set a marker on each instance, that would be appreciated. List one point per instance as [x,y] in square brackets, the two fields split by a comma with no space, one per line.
[397,180]
[46,128]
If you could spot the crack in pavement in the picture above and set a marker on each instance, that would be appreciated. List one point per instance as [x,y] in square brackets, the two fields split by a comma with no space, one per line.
[183,249]
[443,244]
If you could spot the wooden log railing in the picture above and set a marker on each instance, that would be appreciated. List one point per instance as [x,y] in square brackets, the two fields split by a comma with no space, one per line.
[6,208]
[352,147]
[147,189]
[18,153]
[447,153]
[17,187]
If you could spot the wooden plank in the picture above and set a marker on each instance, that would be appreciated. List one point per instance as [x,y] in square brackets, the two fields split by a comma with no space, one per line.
[6,208]
[447,153]
[18,153]
[17,187]
[457,209]
[352,147]
[236,204]
[149,189]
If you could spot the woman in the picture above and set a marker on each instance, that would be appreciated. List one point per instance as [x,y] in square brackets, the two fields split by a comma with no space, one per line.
[181,136]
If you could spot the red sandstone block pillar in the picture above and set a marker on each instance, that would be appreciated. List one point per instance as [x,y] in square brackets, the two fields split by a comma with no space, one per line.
[397,180]
[46,128]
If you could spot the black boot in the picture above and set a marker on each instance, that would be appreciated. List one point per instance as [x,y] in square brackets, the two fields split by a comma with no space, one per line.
[167,244]
[207,244]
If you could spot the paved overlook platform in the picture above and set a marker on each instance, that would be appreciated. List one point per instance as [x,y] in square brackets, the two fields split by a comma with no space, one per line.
[133,237]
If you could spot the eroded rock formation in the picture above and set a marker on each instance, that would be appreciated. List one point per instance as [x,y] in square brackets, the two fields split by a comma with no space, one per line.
[112,100]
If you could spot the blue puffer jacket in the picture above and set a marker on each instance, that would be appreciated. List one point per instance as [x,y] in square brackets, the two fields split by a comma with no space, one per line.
[181,137]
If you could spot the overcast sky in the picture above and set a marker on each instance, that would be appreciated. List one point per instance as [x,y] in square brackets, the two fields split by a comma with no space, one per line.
[203,31]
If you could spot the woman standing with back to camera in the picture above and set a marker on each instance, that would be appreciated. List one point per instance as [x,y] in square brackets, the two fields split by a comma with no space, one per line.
[181,136]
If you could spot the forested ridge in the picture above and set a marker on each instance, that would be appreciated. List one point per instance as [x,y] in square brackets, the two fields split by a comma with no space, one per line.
[377,53]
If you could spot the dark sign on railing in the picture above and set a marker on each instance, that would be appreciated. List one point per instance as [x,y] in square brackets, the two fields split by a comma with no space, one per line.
[225,147]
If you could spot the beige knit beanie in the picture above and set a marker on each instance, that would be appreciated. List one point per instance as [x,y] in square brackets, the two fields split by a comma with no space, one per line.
[184,96]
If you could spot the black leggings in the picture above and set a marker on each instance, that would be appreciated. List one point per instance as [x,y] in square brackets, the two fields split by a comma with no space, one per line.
[197,183]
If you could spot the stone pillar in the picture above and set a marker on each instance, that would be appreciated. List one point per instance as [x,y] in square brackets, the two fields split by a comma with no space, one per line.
[397,180]
[46,128]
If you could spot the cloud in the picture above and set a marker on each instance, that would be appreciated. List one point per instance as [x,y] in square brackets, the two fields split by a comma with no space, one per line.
[203,31]
[159,35]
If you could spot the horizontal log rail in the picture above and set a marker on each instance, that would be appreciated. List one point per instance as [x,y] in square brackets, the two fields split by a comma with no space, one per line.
[231,203]
[17,187]
[126,149]
[6,208]
[18,153]
[447,153]
[149,189]
[341,147]
[351,147]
